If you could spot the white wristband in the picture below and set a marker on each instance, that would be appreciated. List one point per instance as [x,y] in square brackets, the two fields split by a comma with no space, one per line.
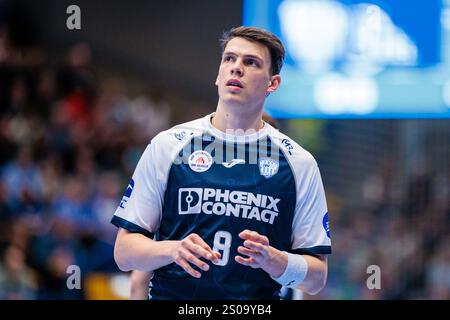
[295,272]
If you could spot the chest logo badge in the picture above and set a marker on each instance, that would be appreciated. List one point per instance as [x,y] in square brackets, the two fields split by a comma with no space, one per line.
[268,167]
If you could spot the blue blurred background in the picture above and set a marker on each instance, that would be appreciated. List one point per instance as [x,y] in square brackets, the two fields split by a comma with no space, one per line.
[365,89]
[359,59]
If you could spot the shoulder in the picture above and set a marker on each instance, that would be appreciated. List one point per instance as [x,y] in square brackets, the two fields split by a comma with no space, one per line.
[178,135]
[295,154]
[165,147]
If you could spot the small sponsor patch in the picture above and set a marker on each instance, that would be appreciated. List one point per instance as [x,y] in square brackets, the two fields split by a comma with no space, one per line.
[180,135]
[326,224]
[233,162]
[288,145]
[127,194]
[200,161]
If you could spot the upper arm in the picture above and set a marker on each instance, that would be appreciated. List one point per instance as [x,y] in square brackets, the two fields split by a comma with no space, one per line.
[121,241]
[121,234]
[323,258]
[141,205]
[310,228]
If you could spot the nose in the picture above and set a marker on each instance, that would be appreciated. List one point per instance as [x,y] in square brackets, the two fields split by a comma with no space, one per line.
[237,69]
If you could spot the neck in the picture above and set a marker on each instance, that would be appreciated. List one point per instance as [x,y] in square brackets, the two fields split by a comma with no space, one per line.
[228,118]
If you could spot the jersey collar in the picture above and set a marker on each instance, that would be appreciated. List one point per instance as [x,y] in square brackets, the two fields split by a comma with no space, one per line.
[227,136]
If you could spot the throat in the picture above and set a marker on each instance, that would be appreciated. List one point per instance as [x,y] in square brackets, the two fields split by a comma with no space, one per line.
[240,124]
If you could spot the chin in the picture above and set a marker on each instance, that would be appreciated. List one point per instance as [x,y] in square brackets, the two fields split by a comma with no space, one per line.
[234,102]
[232,98]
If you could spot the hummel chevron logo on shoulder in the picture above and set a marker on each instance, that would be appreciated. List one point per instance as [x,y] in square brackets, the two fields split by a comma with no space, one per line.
[233,163]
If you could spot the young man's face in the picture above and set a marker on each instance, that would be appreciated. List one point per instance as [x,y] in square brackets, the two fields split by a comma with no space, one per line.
[244,75]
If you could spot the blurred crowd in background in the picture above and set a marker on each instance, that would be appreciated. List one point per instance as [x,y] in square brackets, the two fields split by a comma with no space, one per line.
[404,232]
[70,140]
[68,148]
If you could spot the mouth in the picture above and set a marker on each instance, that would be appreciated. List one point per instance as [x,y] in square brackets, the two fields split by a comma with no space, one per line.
[234,83]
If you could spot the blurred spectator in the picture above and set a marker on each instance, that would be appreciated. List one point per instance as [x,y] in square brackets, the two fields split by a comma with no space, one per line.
[17,280]
[438,273]
[22,181]
[108,193]
[77,77]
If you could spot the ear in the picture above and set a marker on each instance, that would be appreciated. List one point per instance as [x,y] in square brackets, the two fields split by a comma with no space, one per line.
[217,81]
[274,83]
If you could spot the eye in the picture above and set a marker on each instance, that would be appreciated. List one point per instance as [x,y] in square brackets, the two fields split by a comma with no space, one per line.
[251,62]
[228,58]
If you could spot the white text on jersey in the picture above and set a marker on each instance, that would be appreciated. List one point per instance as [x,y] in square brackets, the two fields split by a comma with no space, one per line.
[240,204]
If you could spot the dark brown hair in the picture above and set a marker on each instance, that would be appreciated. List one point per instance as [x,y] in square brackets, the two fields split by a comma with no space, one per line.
[262,36]
[269,119]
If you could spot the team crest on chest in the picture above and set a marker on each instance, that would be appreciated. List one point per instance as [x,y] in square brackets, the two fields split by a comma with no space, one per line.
[200,161]
[268,167]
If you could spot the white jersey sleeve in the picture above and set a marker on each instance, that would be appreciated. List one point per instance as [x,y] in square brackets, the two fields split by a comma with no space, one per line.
[141,207]
[311,234]
[310,228]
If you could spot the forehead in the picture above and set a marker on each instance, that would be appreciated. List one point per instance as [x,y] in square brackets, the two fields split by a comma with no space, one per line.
[241,46]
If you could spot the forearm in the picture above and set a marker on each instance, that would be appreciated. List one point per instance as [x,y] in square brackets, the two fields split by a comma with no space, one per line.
[316,270]
[134,251]
[276,264]
[140,285]
[316,277]
[305,272]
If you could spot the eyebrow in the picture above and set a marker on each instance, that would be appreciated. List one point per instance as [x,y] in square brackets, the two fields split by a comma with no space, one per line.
[245,56]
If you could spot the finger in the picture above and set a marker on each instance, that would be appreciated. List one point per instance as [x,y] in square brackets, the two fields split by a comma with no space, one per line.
[255,246]
[251,253]
[201,252]
[194,260]
[199,241]
[246,262]
[185,265]
[217,256]
[255,236]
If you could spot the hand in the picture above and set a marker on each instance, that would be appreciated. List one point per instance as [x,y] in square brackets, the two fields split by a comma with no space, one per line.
[189,250]
[261,254]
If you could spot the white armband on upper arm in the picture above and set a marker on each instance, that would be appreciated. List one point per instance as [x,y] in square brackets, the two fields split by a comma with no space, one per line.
[295,272]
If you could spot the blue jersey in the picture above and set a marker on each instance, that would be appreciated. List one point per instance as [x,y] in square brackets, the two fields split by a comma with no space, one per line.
[194,178]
